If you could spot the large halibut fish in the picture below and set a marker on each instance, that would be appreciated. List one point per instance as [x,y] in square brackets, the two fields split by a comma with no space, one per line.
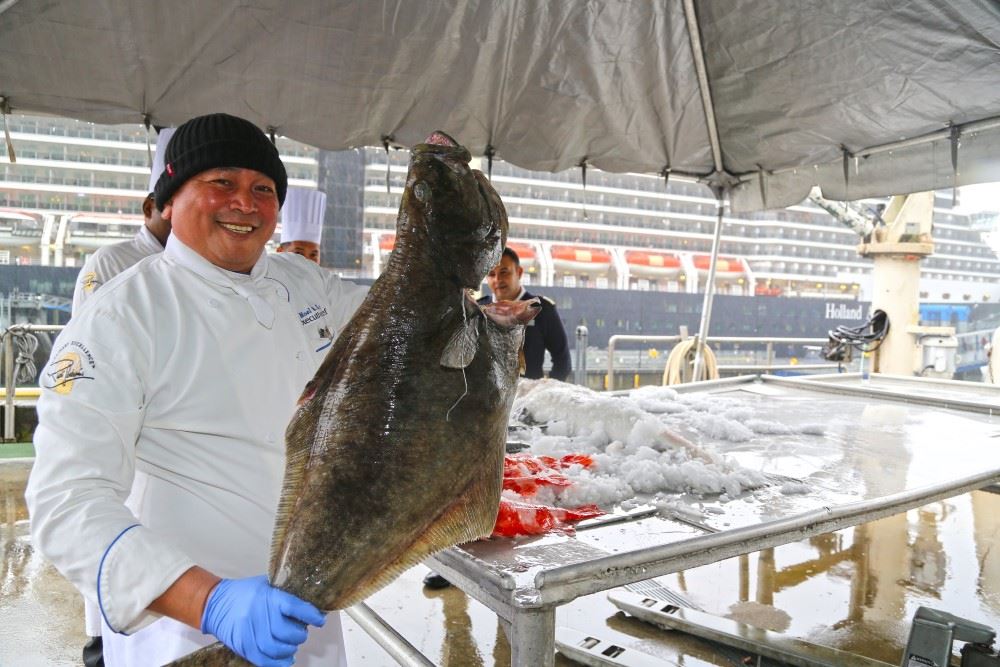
[396,450]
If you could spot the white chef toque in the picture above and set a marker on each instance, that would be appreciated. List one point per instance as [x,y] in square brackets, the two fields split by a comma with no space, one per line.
[162,139]
[302,215]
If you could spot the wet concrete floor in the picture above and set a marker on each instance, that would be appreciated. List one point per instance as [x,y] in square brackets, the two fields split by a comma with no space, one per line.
[854,590]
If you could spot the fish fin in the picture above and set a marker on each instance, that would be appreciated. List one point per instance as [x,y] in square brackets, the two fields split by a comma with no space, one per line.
[462,346]
[213,655]
[299,438]
[298,447]
[471,517]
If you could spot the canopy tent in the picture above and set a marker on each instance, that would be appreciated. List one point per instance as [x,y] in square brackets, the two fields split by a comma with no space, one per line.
[762,98]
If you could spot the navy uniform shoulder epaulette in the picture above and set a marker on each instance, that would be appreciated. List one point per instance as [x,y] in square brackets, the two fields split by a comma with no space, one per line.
[548,300]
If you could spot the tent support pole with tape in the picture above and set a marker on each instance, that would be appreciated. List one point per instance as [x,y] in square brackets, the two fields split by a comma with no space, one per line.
[718,181]
[706,306]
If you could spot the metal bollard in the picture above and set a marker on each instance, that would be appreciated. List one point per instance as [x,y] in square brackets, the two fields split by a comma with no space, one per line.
[580,367]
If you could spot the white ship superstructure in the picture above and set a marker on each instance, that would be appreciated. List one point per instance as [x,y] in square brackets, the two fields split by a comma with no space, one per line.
[77,185]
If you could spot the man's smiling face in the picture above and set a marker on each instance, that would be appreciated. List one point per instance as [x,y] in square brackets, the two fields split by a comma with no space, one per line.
[226,215]
[505,279]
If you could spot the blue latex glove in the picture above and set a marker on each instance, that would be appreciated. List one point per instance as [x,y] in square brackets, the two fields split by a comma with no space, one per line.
[261,623]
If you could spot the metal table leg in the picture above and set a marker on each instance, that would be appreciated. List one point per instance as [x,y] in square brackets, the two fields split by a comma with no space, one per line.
[532,641]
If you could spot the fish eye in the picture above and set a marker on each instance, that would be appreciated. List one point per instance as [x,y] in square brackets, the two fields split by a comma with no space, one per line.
[421,191]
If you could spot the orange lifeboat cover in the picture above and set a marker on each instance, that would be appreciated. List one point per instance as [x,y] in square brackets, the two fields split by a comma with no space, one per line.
[653,259]
[387,242]
[587,254]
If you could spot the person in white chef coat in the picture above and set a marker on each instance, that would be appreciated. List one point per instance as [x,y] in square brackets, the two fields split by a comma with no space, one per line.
[110,260]
[159,447]
[103,265]
[302,222]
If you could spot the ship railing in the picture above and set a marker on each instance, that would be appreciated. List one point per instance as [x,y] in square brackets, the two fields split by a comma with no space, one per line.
[18,344]
[769,364]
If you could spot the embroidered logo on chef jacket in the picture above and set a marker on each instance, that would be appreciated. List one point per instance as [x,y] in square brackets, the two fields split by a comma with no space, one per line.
[326,338]
[89,281]
[316,315]
[69,366]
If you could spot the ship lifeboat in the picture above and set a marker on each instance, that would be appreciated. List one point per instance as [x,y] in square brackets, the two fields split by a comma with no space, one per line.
[386,243]
[767,290]
[653,264]
[16,225]
[725,267]
[580,259]
[525,253]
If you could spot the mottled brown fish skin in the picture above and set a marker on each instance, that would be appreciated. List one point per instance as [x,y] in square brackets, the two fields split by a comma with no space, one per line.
[393,456]
[389,463]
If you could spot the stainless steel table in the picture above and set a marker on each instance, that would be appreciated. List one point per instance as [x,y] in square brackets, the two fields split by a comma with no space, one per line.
[882,452]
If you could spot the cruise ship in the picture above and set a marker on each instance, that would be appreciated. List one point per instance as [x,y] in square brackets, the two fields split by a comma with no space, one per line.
[634,247]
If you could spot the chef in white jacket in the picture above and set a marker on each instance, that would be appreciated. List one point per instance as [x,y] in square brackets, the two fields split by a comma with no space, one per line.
[302,222]
[159,448]
[110,260]
[103,265]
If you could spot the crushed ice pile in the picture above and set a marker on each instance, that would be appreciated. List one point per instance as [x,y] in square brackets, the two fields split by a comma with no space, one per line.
[636,444]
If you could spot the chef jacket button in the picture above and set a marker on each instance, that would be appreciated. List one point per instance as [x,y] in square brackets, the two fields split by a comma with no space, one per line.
[299,355]
[270,437]
[214,303]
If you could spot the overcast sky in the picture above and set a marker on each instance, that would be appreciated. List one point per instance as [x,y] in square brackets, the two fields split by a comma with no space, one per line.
[983,197]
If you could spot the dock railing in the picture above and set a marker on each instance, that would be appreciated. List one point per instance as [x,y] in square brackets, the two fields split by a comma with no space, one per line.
[768,365]
[18,339]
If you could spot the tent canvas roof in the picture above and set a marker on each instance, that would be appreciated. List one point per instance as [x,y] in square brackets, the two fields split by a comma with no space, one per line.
[763,97]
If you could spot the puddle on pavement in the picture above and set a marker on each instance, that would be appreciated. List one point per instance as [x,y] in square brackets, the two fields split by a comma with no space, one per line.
[855,590]
[41,614]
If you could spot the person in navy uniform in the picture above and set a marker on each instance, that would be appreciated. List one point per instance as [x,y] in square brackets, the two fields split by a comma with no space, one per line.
[545,332]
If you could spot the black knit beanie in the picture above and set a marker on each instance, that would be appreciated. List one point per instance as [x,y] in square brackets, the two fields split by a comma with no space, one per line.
[213,141]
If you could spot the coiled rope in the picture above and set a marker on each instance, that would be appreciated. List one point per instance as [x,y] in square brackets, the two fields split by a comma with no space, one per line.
[25,343]
[680,363]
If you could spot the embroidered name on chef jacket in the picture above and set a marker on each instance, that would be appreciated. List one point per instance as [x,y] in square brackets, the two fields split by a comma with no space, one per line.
[311,313]
[69,366]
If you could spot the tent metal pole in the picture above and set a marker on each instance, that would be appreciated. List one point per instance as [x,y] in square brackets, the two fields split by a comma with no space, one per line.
[387,637]
[694,33]
[698,55]
[706,306]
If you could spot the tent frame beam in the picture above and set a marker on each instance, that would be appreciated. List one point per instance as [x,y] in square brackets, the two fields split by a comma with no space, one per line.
[981,125]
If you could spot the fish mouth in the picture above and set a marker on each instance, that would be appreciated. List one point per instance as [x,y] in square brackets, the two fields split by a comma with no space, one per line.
[439,138]
[443,146]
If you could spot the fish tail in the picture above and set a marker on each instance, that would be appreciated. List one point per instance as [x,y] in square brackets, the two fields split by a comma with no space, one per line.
[213,655]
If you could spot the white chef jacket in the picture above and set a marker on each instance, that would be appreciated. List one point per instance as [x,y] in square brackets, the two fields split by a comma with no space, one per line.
[176,383]
[106,263]
[110,260]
